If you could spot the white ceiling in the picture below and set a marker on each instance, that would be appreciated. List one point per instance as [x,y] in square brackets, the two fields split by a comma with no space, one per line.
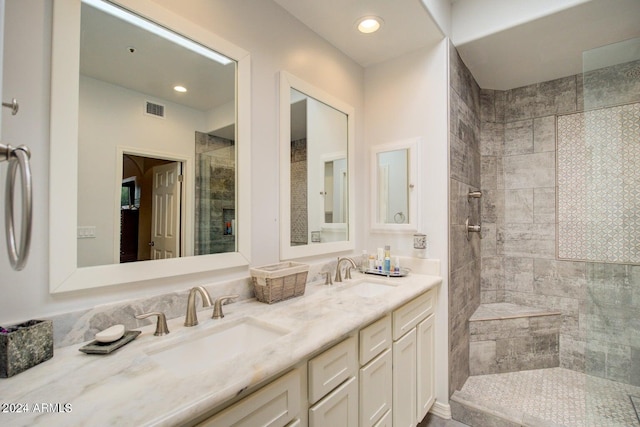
[551,47]
[541,50]
[407,26]
[156,66]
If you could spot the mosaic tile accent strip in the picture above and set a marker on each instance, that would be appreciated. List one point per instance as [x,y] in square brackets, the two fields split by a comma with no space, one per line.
[599,185]
[560,396]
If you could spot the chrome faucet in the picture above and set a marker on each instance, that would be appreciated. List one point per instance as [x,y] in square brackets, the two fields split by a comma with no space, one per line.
[348,275]
[217,306]
[191,319]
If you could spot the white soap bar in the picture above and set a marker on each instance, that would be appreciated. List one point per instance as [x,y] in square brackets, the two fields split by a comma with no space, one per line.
[110,334]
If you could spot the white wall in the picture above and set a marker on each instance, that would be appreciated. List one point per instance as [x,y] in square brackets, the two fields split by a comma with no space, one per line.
[275,41]
[222,116]
[407,98]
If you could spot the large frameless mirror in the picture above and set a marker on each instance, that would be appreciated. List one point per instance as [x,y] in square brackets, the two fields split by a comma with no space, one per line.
[151,113]
[394,176]
[316,143]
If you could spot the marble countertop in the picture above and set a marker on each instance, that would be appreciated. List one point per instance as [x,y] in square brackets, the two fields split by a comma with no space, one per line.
[128,387]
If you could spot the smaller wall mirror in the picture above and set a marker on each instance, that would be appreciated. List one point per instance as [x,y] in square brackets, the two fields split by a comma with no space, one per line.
[394,178]
[316,163]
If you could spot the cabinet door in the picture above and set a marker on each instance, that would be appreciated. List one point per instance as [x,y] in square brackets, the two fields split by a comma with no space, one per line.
[404,380]
[425,366]
[385,421]
[274,405]
[338,409]
[376,389]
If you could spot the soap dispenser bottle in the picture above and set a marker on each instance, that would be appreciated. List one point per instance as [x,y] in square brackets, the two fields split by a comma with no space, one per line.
[387,259]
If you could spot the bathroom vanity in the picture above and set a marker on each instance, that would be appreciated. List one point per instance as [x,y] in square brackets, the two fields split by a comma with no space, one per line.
[359,352]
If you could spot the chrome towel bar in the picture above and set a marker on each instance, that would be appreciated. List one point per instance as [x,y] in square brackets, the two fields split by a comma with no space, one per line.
[17,157]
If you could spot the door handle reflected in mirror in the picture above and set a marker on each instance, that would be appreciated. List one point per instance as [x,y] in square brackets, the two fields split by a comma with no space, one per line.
[151,243]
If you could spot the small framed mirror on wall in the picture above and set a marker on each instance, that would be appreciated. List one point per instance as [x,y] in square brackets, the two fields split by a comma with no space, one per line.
[394,180]
[316,165]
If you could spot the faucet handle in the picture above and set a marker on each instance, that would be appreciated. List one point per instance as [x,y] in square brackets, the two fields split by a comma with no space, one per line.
[161,324]
[217,305]
[347,275]
[327,280]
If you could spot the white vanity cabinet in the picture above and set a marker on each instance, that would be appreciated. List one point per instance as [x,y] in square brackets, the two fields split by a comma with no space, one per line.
[277,404]
[382,376]
[413,360]
[333,386]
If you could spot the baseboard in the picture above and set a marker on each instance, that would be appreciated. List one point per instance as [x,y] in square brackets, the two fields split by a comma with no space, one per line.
[442,410]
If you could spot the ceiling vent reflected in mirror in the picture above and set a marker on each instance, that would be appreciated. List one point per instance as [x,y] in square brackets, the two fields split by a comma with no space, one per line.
[154,109]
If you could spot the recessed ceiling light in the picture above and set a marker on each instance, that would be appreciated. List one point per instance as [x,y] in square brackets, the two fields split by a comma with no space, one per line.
[181,89]
[369,24]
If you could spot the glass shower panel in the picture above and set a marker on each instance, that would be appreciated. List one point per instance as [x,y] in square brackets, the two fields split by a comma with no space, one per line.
[215,227]
[604,227]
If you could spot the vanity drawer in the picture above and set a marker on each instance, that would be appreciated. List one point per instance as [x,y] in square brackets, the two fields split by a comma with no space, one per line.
[374,339]
[409,315]
[274,405]
[338,409]
[331,368]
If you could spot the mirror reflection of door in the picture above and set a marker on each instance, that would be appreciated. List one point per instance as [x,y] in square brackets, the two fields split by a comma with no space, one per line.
[150,213]
[318,174]
[165,212]
[393,187]
[335,191]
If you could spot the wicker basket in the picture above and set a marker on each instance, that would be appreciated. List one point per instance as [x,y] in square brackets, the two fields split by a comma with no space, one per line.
[278,282]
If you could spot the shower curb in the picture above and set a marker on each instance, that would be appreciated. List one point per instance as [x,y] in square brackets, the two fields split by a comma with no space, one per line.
[465,410]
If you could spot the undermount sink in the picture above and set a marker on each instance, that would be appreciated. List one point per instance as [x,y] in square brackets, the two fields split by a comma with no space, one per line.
[194,354]
[369,289]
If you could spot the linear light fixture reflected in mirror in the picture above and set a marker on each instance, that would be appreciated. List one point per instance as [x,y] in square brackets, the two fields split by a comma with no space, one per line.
[157,30]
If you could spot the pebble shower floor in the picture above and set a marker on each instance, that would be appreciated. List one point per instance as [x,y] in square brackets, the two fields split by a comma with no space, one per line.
[561,396]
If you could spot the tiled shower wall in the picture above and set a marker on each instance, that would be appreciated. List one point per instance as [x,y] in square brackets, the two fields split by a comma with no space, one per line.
[464,255]
[299,214]
[215,169]
[600,302]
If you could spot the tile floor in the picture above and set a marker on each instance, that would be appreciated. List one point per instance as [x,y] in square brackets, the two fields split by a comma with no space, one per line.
[560,396]
[435,421]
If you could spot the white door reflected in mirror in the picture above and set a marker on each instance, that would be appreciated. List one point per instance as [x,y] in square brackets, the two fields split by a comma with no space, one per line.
[394,174]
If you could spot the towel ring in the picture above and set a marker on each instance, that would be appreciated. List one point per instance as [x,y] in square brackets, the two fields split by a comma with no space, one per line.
[18,157]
